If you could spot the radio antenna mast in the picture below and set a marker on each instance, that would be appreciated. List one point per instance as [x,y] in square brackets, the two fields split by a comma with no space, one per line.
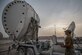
[55,30]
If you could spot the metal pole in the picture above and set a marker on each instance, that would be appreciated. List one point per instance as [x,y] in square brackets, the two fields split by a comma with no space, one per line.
[55,30]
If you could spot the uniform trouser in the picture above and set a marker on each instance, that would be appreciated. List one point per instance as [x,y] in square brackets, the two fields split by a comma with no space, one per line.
[69,51]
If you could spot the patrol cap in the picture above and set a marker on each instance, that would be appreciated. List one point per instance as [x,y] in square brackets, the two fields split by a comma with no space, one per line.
[68,31]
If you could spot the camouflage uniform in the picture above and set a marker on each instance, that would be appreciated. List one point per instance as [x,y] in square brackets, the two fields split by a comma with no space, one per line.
[69,51]
[69,46]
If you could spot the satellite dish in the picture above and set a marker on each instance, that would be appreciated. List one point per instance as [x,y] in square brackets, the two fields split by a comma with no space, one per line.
[71,26]
[18,17]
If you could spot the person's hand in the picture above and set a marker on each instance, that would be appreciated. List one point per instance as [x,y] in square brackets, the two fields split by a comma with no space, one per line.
[62,45]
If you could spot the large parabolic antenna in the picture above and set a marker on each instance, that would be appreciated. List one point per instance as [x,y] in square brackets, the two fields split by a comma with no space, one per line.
[71,26]
[16,18]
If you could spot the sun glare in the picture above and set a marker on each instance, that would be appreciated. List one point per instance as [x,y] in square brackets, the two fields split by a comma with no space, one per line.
[61,26]
[50,29]
[57,26]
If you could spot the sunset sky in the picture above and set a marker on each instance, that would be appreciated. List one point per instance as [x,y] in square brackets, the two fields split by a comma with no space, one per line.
[53,12]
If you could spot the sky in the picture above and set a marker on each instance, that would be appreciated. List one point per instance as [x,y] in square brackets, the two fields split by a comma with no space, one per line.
[59,13]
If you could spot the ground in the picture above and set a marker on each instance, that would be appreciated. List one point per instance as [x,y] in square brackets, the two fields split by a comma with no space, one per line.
[5,44]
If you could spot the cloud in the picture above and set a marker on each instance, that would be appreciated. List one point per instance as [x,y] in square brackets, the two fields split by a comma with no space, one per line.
[53,12]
